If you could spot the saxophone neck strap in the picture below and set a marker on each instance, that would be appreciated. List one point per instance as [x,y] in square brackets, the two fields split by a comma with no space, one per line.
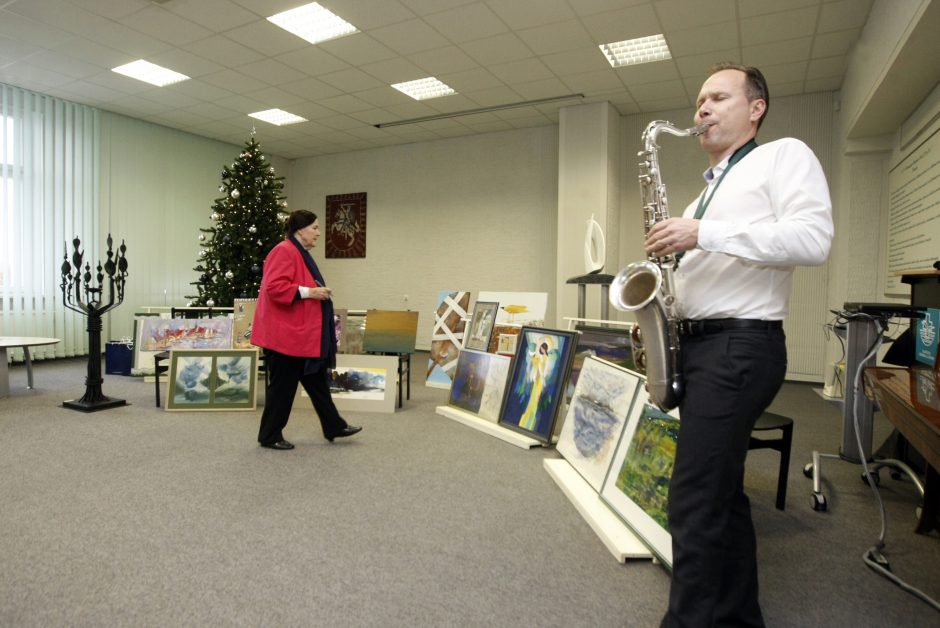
[705,199]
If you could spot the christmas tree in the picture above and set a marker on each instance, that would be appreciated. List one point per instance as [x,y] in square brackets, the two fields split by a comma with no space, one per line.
[247,223]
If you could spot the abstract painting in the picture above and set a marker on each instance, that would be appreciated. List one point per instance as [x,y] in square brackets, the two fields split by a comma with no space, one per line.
[155,335]
[390,331]
[213,379]
[637,484]
[481,325]
[596,417]
[345,233]
[479,382]
[243,314]
[611,344]
[447,337]
[535,390]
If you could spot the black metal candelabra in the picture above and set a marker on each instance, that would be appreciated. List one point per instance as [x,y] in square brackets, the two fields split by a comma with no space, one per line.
[89,300]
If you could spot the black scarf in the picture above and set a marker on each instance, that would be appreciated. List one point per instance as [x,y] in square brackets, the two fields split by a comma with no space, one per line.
[328,332]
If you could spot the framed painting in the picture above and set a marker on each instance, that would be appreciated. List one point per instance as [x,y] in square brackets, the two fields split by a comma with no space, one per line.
[354,328]
[339,321]
[243,315]
[155,335]
[224,379]
[479,383]
[481,325]
[519,308]
[536,386]
[596,417]
[366,383]
[346,225]
[637,483]
[611,344]
[390,331]
[502,339]
[447,337]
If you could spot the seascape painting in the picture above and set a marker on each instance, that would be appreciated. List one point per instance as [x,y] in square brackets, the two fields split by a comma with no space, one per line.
[155,335]
[596,417]
[637,485]
[611,344]
[535,388]
[390,331]
[358,383]
[191,380]
[447,337]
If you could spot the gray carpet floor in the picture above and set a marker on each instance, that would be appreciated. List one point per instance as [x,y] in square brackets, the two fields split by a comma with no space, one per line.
[139,517]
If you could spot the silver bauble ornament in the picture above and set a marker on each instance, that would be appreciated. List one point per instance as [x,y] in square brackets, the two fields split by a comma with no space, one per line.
[202,237]
[214,216]
[252,229]
[210,303]
[229,274]
[202,253]
[235,193]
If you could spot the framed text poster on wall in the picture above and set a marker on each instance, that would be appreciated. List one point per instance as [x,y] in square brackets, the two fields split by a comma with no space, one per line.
[345,230]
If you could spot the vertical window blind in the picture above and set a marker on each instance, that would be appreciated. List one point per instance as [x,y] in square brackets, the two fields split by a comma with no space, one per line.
[49,194]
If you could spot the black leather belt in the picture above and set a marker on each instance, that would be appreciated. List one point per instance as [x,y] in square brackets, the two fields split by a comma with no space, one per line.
[715,325]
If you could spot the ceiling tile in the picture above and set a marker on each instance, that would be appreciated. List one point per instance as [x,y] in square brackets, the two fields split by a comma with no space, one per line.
[426,7]
[311,88]
[442,60]
[697,66]
[777,52]
[395,70]
[753,8]
[494,96]
[382,96]
[344,102]
[271,71]
[577,61]
[466,23]
[526,70]
[519,14]
[312,61]
[215,15]
[778,26]
[161,24]
[622,24]
[500,48]
[684,14]
[835,42]
[275,97]
[471,80]
[844,14]
[223,50]
[557,37]
[370,14]
[830,84]
[350,80]
[643,73]
[590,82]
[409,37]
[546,88]
[185,62]
[266,38]
[358,49]
[234,81]
[825,68]
[703,39]
[784,73]
[33,76]
[111,9]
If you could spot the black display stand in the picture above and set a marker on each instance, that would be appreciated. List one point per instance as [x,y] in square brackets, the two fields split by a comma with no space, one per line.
[88,300]
[599,279]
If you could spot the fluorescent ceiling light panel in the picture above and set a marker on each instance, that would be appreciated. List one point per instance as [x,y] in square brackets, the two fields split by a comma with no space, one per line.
[150,73]
[635,51]
[422,89]
[313,23]
[278,117]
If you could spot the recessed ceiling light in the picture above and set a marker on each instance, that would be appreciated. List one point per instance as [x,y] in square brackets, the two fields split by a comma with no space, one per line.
[277,117]
[313,23]
[635,51]
[422,89]
[150,73]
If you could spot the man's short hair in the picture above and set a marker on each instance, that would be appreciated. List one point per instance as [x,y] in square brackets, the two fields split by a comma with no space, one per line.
[755,83]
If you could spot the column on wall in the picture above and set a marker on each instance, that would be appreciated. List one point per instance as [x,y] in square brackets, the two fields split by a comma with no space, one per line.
[588,184]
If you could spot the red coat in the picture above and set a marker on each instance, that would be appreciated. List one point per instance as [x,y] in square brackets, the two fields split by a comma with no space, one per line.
[283,321]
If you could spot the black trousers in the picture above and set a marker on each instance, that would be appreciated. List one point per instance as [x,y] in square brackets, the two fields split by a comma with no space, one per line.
[284,373]
[730,377]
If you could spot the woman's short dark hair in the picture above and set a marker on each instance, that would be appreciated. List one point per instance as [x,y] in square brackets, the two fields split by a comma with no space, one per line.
[297,220]
[755,82]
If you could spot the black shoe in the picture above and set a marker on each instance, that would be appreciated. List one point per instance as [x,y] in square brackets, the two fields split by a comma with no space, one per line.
[349,430]
[281,444]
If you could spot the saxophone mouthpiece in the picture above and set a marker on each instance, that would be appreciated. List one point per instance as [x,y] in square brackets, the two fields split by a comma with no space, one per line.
[698,130]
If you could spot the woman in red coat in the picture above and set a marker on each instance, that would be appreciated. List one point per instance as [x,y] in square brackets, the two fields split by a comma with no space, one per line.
[294,325]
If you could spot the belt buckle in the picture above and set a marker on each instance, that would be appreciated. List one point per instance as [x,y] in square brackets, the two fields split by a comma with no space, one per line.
[691,328]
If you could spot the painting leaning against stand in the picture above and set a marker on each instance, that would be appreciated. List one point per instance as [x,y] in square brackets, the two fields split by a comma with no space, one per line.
[447,337]
[536,387]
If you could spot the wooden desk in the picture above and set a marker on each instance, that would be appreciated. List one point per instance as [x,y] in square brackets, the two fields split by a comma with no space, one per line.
[10,342]
[909,398]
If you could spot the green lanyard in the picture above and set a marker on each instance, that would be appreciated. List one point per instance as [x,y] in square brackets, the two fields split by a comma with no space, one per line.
[735,158]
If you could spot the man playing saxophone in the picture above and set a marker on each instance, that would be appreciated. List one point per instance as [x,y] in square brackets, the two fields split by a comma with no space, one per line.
[764,210]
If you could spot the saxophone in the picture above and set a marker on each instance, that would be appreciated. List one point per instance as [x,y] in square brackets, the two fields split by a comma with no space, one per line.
[646,288]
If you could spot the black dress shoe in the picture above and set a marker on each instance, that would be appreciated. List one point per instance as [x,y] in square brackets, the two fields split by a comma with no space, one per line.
[281,444]
[349,430]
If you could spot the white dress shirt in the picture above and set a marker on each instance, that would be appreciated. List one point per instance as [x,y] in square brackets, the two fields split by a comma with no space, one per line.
[771,212]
